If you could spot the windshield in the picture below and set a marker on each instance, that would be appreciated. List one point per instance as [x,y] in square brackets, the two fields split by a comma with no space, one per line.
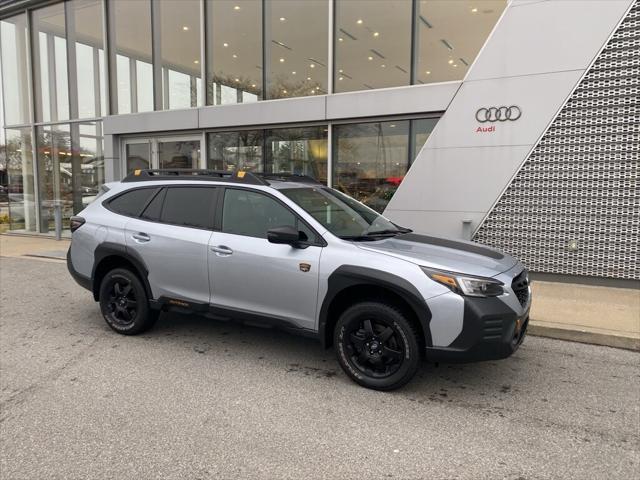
[342,215]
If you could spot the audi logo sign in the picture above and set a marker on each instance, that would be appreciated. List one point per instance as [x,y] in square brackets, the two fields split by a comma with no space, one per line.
[498,114]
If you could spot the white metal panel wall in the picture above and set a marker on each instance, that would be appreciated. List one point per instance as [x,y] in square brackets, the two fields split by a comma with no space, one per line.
[574,207]
[536,55]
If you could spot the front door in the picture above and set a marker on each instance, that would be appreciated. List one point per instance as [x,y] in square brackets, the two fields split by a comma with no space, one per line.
[251,275]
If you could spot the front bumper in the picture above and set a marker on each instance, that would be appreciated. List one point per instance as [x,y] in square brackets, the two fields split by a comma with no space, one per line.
[491,330]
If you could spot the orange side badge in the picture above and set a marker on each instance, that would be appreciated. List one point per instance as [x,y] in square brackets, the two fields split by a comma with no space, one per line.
[241,174]
[305,267]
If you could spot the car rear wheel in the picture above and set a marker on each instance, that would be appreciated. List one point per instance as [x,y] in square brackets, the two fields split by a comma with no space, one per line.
[124,304]
[377,345]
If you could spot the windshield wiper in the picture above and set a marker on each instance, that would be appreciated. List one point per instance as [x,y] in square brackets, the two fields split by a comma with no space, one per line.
[370,236]
[390,231]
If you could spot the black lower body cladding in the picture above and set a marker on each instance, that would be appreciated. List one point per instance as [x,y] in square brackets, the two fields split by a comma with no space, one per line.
[491,330]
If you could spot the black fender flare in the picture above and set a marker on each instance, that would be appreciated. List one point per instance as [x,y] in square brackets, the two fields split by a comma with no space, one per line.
[110,249]
[351,275]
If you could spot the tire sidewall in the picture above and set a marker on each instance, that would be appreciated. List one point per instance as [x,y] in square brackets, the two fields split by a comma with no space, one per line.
[142,313]
[406,335]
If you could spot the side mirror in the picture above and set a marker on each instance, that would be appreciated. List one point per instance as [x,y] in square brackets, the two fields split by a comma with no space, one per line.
[287,235]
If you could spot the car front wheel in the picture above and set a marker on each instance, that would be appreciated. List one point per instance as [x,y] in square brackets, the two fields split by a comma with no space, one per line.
[377,345]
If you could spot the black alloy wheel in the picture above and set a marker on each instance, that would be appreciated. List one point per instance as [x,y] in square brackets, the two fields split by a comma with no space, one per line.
[124,304]
[377,345]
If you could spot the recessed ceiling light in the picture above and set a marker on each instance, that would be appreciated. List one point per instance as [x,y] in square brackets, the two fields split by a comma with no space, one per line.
[196,61]
[370,58]
[383,66]
[428,72]
[284,91]
[340,70]
[313,65]
[293,73]
[235,56]
[450,62]
[253,85]
[237,79]
[282,60]
[376,34]
[340,39]
[359,22]
[237,7]
[282,19]
[474,10]
[185,28]
[309,78]
[455,64]
[225,44]
[393,125]
[341,78]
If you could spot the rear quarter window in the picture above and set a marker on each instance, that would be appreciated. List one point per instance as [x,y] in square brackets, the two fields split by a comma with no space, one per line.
[132,202]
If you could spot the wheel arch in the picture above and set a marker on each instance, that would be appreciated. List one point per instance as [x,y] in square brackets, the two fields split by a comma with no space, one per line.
[349,284]
[108,256]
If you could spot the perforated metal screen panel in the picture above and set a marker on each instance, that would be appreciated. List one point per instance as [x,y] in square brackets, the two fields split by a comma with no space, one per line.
[574,207]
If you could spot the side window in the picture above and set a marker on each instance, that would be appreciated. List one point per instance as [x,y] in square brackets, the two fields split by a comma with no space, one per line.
[132,202]
[189,206]
[253,214]
[154,209]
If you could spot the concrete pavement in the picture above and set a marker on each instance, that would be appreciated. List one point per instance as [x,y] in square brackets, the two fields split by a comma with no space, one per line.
[199,399]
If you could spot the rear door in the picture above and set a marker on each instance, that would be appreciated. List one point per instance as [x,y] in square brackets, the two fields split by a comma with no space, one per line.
[172,236]
[251,275]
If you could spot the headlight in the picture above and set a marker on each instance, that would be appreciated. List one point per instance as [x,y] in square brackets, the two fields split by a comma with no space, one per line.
[466,285]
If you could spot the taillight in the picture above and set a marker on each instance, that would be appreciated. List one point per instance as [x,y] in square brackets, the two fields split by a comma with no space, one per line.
[76,223]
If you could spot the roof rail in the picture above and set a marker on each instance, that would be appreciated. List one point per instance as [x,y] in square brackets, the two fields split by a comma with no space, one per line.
[287,177]
[237,176]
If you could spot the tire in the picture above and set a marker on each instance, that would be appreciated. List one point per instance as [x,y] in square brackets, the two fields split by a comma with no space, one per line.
[124,303]
[377,346]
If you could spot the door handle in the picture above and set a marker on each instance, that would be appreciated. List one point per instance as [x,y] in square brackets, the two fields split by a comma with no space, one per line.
[141,237]
[222,250]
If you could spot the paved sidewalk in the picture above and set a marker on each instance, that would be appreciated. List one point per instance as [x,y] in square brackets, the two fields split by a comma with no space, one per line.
[580,313]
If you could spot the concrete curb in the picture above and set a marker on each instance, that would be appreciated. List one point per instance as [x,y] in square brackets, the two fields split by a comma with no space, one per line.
[583,336]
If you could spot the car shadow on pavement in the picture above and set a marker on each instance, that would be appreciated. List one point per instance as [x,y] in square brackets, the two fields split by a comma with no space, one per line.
[472,383]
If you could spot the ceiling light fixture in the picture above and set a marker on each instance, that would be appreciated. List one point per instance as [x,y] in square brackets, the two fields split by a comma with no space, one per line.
[282,60]
[284,91]
[450,62]
[376,34]
[253,85]
[341,78]
[196,62]
[370,58]
[309,78]
[340,39]
[234,55]
[393,125]
[312,65]
[237,79]
[455,64]
[359,22]
[383,66]
[185,28]
[225,44]
[282,19]
[474,10]
[428,72]
[237,7]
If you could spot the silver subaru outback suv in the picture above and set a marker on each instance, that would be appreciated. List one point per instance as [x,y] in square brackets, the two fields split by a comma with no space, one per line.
[285,251]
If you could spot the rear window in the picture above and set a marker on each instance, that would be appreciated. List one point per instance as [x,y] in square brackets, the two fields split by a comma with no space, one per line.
[132,202]
[189,206]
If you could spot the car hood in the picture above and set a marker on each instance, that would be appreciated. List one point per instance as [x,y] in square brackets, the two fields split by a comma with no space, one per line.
[444,254]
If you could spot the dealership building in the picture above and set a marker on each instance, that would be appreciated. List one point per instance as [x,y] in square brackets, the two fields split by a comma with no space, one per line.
[514,123]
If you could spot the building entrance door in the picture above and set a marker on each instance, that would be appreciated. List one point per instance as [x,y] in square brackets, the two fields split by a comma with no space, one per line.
[162,152]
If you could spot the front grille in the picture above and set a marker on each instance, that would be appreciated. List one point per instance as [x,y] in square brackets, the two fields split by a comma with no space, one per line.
[520,286]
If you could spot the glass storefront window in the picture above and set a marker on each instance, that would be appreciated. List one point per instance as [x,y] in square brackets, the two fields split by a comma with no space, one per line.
[88,162]
[50,63]
[234,51]
[15,84]
[138,155]
[234,150]
[179,51]
[371,159]
[301,151]
[20,195]
[372,44]
[86,36]
[55,179]
[450,35]
[296,48]
[131,32]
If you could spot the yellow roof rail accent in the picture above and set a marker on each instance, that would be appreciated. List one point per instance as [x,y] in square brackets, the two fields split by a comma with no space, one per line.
[137,172]
[241,174]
